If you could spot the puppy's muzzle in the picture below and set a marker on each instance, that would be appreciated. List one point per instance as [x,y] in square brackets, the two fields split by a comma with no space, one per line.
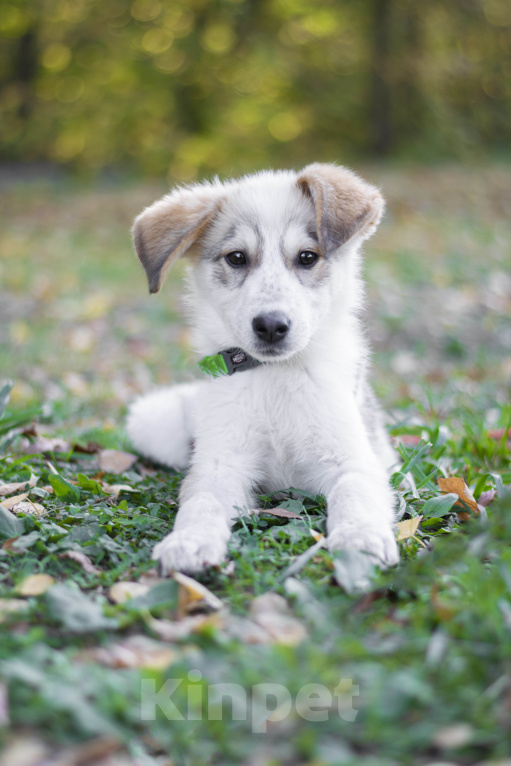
[272,327]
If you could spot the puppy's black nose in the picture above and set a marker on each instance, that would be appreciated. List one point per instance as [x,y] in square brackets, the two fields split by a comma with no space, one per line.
[271,327]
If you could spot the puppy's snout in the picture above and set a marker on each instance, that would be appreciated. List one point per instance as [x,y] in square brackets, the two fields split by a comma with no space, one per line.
[271,327]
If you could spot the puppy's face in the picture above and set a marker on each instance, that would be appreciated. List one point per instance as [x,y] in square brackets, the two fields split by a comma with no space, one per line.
[267,253]
[263,271]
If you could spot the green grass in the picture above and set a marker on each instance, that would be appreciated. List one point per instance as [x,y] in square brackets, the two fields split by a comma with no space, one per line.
[428,644]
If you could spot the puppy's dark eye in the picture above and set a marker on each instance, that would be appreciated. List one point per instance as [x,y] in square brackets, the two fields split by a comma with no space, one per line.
[237,258]
[307,258]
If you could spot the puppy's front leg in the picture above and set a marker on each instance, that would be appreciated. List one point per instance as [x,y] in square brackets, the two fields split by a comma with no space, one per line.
[216,483]
[361,503]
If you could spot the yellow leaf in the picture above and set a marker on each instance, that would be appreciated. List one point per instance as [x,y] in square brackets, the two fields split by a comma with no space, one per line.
[122,591]
[317,535]
[194,597]
[408,527]
[12,501]
[34,585]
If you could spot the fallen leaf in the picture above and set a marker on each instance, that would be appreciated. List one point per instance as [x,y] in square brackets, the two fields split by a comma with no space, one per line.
[28,506]
[170,630]
[485,498]
[466,498]
[116,489]
[7,489]
[134,652]
[48,444]
[122,591]
[11,605]
[281,513]
[26,751]
[194,597]
[82,559]
[9,545]
[34,585]
[317,535]
[408,527]
[115,461]
[271,612]
[454,736]
[91,448]
[10,502]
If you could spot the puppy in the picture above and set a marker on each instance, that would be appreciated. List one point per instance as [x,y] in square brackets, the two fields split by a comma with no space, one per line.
[274,293]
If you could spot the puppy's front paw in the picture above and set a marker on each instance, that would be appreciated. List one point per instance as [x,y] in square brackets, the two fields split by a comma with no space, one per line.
[379,542]
[190,550]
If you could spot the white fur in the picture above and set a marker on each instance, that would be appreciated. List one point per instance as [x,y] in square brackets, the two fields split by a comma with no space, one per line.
[301,419]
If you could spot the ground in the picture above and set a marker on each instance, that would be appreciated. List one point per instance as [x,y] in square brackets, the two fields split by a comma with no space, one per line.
[421,652]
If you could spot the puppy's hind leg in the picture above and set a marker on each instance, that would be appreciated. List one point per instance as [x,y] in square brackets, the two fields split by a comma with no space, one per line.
[161,425]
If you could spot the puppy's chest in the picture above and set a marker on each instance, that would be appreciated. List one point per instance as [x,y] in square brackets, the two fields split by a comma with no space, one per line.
[297,421]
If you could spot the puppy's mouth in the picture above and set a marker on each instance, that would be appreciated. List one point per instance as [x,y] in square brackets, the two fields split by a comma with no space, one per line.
[267,353]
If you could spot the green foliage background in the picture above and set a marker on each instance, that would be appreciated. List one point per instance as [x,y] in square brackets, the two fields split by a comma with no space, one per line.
[191,87]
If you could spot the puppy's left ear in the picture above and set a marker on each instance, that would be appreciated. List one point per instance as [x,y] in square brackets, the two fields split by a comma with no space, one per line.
[171,227]
[346,206]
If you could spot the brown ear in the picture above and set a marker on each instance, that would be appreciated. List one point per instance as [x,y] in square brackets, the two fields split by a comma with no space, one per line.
[166,230]
[345,204]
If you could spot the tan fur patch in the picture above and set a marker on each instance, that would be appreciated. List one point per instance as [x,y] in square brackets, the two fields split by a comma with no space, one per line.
[345,204]
[170,227]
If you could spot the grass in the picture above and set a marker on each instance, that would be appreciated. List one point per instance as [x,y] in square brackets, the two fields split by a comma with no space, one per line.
[427,644]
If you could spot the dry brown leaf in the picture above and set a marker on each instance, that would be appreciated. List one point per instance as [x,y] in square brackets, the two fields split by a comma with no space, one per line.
[48,444]
[115,461]
[271,612]
[122,591]
[28,506]
[12,501]
[10,605]
[7,489]
[466,499]
[194,597]
[82,559]
[134,652]
[282,513]
[35,585]
[408,527]
[169,630]
[10,545]
[91,448]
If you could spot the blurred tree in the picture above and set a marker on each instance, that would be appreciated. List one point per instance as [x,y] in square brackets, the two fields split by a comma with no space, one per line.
[188,87]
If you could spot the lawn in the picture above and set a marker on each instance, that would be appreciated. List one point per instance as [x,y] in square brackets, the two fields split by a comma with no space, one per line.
[410,666]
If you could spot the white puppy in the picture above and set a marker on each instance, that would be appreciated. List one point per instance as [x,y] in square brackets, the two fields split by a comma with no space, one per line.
[275,285]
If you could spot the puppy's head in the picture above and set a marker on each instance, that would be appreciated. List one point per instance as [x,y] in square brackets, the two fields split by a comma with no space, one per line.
[269,252]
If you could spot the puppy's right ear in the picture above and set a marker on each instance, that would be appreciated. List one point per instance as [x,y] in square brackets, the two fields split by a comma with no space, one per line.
[169,228]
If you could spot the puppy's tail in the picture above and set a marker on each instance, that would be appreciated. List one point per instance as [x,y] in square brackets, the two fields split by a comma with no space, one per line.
[161,424]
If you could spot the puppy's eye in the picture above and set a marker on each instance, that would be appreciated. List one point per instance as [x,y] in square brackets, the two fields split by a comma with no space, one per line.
[237,258]
[307,258]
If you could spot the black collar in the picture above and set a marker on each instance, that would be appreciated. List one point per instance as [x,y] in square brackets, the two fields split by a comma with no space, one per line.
[228,362]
